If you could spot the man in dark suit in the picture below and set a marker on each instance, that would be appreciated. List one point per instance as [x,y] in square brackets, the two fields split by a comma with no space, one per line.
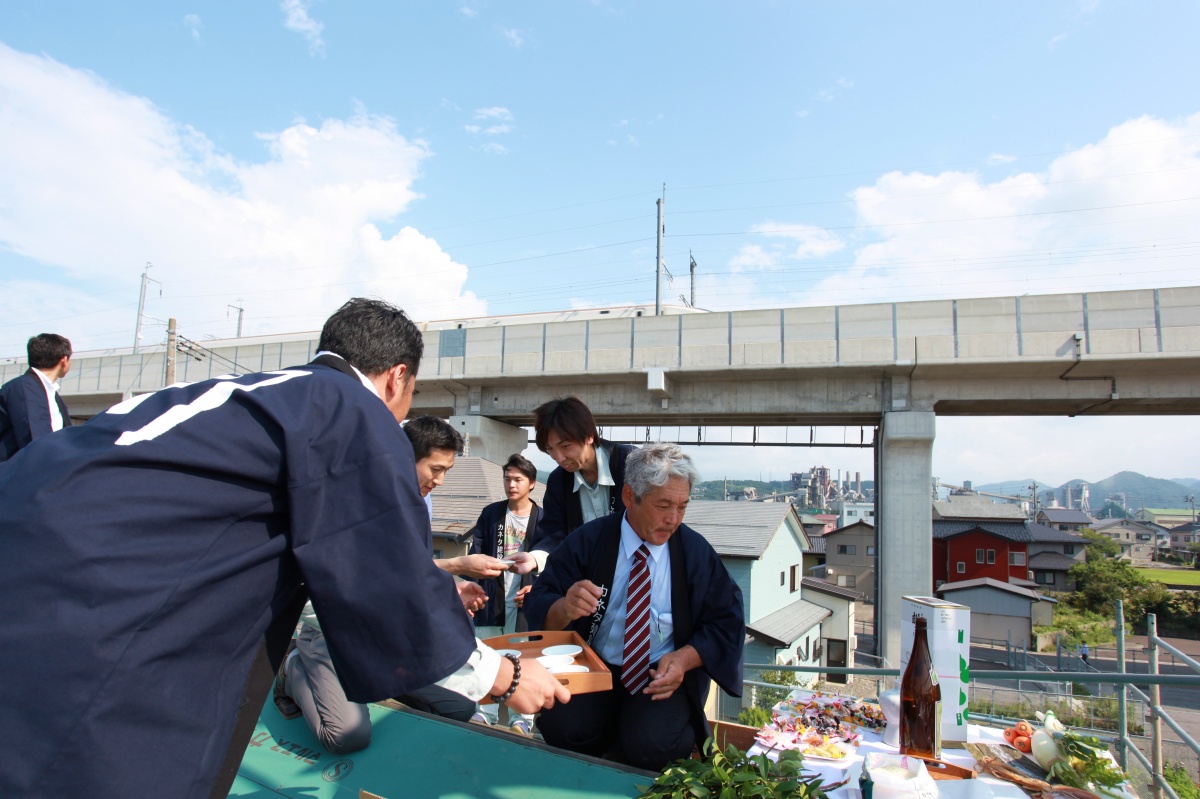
[653,599]
[30,406]
[590,475]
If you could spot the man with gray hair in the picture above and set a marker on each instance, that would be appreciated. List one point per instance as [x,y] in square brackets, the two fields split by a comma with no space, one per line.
[652,598]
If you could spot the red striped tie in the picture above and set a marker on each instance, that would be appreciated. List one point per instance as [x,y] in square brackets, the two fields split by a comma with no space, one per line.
[635,668]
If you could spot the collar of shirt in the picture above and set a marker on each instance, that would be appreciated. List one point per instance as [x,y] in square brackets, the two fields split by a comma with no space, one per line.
[51,386]
[603,475]
[361,376]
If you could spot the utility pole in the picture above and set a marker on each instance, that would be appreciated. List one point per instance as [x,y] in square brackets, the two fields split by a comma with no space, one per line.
[693,268]
[172,343]
[659,267]
[137,328]
[239,309]
[1192,499]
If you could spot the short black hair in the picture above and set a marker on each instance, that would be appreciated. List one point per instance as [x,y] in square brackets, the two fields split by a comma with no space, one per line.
[373,336]
[568,417]
[522,465]
[46,350]
[428,433]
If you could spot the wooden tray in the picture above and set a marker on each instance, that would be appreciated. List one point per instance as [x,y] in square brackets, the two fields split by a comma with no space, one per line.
[941,770]
[531,644]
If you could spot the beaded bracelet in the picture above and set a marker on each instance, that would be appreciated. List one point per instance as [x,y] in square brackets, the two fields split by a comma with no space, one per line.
[516,680]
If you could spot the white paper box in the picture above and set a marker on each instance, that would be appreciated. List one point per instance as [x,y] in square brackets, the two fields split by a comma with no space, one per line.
[949,632]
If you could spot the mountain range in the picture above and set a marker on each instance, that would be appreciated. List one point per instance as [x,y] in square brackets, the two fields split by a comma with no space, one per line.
[1129,490]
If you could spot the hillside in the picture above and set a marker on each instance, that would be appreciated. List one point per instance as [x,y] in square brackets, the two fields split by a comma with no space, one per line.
[1187,482]
[1139,490]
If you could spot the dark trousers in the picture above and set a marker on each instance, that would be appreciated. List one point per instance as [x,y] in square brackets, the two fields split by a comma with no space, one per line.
[439,701]
[635,730]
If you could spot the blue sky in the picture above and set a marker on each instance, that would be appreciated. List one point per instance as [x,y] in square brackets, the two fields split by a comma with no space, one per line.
[467,158]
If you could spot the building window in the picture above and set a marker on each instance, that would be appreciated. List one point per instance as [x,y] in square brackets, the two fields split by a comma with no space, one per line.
[979,556]
[1043,578]
[795,579]
[991,556]
[961,568]
[846,580]
[1068,549]
[781,578]
[871,551]
[851,513]
[847,549]
[1016,558]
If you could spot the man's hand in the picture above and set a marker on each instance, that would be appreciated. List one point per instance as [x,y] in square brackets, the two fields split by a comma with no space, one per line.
[472,595]
[538,689]
[478,566]
[669,675]
[523,563]
[582,599]
[519,599]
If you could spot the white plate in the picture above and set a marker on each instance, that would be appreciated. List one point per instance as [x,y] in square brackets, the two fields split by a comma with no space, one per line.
[503,652]
[563,649]
[846,749]
[568,669]
[554,661]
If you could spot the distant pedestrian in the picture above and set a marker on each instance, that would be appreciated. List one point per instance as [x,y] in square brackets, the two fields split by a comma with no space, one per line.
[30,406]
[1083,652]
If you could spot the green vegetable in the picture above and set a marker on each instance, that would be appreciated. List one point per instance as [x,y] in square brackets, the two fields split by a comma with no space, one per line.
[732,774]
[1083,763]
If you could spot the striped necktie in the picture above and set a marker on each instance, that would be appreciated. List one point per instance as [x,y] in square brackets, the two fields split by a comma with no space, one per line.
[635,668]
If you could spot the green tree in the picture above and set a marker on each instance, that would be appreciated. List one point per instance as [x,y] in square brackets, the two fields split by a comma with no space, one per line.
[767,698]
[1099,546]
[1100,582]
[1195,550]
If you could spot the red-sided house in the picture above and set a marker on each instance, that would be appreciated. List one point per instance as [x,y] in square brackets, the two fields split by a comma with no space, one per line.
[968,550]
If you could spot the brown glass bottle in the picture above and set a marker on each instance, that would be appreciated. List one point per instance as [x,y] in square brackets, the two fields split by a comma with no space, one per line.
[920,699]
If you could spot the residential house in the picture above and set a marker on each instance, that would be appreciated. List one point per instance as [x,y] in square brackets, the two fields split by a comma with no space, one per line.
[763,545]
[1138,540]
[969,549]
[837,631]
[1182,537]
[814,558]
[1064,519]
[850,558]
[470,485]
[849,511]
[1001,611]
[1052,553]
[1167,517]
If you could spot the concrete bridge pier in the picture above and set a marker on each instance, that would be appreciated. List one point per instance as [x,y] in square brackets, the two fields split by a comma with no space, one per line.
[489,439]
[904,528]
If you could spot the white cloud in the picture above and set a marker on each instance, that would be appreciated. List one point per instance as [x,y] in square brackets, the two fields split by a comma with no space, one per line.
[753,256]
[802,113]
[953,234]
[495,148]
[194,25]
[497,130]
[1057,40]
[1000,158]
[97,182]
[813,242]
[298,20]
[495,112]
[839,86]
[472,128]
[516,38]
[468,12]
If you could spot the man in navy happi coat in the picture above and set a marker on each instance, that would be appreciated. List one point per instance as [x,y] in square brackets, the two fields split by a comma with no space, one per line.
[152,564]
[695,619]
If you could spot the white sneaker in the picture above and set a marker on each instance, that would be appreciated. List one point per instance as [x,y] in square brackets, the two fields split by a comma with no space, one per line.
[479,718]
[521,726]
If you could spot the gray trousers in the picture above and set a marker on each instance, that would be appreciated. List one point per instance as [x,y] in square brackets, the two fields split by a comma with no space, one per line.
[340,725]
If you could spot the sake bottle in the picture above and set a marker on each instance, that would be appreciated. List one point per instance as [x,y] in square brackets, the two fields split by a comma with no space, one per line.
[920,699]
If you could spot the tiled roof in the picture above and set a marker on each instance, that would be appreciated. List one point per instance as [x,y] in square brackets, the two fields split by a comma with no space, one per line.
[738,529]
[1051,561]
[1066,516]
[988,582]
[969,506]
[1011,530]
[826,587]
[816,544]
[1187,527]
[469,486]
[847,527]
[1124,524]
[785,625]
[1048,535]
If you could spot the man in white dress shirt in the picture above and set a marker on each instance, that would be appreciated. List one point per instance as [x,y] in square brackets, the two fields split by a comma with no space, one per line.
[30,406]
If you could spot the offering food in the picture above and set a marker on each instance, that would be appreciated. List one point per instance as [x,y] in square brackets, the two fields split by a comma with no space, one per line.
[836,716]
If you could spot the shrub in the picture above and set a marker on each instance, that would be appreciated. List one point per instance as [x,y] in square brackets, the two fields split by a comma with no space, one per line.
[1179,779]
[754,717]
